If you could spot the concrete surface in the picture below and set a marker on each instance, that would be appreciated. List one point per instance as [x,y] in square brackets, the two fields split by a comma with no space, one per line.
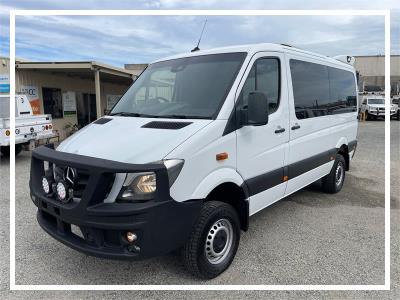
[308,238]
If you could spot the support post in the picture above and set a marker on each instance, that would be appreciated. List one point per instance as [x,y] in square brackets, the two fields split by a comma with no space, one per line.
[98,96]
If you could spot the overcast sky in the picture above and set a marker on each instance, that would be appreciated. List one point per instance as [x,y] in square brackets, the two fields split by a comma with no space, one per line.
[133,39]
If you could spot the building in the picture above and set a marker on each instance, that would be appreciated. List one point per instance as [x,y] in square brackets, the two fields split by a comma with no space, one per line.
[73,93]
[371,70]
[4,75]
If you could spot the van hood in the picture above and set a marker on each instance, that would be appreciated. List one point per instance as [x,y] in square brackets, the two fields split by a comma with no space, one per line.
[130,139]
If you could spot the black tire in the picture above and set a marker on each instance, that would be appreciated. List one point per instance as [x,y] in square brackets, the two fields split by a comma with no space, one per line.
[18,149]
[5,150]
[331,183]
[196,258]
[398,114]
[367,116]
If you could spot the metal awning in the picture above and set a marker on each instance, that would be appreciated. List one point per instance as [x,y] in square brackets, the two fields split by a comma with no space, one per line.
[93,70]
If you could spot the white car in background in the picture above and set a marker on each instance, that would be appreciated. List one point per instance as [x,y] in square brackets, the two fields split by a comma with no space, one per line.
[29,128]
[395,103]
[374,107]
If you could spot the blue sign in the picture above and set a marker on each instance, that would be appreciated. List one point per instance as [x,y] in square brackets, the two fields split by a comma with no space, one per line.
[4,87]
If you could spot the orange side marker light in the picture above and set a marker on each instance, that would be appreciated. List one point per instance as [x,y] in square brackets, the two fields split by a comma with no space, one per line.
[221,156]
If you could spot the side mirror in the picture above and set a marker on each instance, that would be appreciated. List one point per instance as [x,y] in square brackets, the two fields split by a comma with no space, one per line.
[257,109]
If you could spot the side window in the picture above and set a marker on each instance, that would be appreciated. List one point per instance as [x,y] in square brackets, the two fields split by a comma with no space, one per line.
[310,89]
[343,92]
[264,77]
[319,90]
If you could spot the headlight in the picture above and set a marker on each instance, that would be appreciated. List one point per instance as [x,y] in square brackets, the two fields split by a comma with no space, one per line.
[143,186]
[139,186]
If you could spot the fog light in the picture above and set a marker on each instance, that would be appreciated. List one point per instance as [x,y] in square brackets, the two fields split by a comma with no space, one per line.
[131,237]
[61,191]
[46,185]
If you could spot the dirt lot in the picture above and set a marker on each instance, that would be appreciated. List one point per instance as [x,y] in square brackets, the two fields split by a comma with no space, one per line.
[308,238]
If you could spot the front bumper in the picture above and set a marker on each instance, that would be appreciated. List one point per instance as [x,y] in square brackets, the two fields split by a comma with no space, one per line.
[26,138]
[161,224]
[381,113]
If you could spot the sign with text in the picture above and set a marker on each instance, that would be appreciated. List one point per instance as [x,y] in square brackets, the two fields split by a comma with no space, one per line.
[4,83]
[69,103]
[32,93]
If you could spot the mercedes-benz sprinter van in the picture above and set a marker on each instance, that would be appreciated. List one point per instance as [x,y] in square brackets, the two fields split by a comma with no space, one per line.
[197,145]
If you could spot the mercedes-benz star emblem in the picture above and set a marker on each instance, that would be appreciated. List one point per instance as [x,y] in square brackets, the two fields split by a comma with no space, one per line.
[70,175]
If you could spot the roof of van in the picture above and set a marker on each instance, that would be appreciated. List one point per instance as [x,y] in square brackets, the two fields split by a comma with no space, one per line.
[254,48]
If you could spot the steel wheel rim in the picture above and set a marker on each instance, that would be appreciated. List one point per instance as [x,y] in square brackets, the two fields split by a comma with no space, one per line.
[221,229]
[339,174]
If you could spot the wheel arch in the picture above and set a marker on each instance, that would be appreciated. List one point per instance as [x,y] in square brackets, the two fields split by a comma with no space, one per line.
[343,149]
[234,195]
[226,185]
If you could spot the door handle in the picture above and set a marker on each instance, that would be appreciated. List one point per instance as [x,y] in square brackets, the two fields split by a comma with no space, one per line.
[295,126]
[280,130]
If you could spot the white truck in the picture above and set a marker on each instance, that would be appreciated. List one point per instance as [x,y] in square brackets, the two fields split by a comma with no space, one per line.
[29,128]
[373,105]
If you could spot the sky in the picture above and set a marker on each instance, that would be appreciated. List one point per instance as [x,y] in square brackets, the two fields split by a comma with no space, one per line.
[119,40]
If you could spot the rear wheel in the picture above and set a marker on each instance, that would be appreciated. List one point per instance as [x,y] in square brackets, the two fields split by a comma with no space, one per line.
[18,149]
[333,182]
[214,240]
[5,150]
[398,115]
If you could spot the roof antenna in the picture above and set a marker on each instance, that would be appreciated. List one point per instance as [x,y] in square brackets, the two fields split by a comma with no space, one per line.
[201,35]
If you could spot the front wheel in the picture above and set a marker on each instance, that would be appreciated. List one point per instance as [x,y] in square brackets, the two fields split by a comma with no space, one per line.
[333,182]
[214,240]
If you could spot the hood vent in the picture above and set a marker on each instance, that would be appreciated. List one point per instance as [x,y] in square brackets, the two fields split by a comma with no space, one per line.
[102,121]
[166,125]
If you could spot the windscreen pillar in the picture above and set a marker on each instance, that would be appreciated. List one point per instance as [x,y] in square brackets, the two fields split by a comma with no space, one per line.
[97,89]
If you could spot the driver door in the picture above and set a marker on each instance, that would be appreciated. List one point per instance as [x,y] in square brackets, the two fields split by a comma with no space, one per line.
[261,150]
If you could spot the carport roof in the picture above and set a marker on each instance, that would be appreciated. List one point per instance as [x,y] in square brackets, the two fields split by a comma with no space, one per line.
[83,69]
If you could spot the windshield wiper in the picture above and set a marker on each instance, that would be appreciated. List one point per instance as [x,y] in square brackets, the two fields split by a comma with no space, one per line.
[182,117]
[133,114]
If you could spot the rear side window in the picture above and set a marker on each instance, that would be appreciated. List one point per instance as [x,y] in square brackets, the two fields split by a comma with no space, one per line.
[264,77]
[320,90]
[343,97]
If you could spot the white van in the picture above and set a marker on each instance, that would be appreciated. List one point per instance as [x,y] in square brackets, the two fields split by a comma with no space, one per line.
[198,144]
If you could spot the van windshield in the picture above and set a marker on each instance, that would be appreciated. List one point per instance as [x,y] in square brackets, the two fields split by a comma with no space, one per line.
[376,101]
[191,87]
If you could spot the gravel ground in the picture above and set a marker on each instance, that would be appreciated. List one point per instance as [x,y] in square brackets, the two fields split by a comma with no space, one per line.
[307,238]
